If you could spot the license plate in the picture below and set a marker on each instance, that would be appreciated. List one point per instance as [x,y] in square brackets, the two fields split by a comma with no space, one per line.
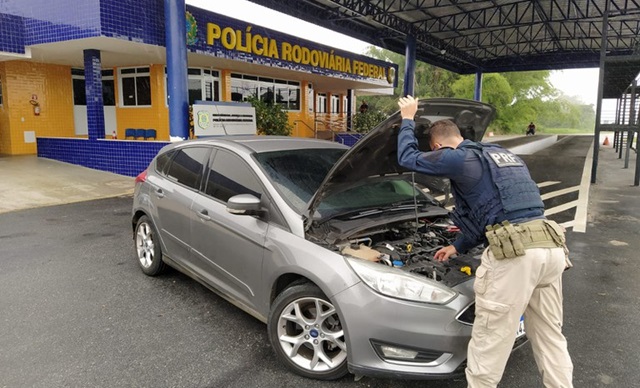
[520,331]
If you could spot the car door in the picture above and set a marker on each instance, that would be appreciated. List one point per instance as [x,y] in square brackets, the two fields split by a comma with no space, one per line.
[172,194]
[230,247]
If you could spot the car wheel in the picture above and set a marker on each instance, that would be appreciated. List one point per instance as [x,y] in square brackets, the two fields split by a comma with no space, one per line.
[306,333]
[148,248]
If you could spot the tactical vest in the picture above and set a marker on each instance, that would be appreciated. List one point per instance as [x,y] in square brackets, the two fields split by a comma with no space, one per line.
[506,192]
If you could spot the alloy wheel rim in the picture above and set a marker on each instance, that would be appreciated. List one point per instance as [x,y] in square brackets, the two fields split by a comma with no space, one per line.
[310,334]
[144,245]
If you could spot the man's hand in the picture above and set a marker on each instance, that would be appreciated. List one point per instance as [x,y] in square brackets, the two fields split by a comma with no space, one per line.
[444,253]
[408,107]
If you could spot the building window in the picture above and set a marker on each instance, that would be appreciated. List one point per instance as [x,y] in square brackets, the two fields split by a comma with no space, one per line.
[108,91]
[203,84]
[310,99]
[79,91]
[335,104]
[287,94]
[282,92]
[135,86]
[321,103]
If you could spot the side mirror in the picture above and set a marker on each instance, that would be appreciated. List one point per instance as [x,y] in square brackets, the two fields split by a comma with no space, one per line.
[244,205]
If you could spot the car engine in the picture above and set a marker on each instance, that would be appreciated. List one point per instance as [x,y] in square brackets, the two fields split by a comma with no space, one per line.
[411,246]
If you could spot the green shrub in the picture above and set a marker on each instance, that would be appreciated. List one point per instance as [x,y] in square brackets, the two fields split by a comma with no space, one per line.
[365,122]
[270,118]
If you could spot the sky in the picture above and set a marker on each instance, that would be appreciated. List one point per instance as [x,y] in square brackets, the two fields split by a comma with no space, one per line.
[572,82]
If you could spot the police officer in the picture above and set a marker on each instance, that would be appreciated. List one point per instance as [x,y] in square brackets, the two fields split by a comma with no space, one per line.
[498,204]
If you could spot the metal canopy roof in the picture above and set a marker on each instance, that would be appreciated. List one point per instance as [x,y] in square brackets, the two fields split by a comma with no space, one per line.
[467,36]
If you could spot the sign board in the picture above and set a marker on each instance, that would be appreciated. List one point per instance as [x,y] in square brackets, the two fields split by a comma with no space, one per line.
[224,37]
[223,118]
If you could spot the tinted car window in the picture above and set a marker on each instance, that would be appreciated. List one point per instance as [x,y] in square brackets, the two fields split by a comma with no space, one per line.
[297,174]
[229,175]
[187,166]
[162,161]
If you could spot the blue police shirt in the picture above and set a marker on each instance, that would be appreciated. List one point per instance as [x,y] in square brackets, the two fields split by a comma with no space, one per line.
[466,172]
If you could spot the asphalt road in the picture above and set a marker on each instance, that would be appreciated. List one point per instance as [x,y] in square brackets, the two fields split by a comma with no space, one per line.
[76,311]
[563,162]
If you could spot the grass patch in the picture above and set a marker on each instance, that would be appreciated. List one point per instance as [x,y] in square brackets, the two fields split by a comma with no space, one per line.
[550,131]
[564,131]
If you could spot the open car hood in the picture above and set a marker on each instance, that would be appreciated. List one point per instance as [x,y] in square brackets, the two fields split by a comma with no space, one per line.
[376,153]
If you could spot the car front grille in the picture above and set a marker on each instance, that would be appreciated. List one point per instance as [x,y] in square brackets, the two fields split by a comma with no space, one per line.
[467,315]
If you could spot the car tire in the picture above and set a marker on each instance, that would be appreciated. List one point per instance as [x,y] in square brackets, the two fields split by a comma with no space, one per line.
[148,250]
[312,345]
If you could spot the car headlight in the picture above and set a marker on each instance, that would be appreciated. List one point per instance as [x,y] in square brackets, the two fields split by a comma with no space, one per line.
[398,284]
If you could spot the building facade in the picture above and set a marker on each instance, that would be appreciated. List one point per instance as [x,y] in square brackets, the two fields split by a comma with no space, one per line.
[54,56]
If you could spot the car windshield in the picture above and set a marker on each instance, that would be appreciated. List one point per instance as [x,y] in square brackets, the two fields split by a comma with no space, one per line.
[373,196]
[297,174]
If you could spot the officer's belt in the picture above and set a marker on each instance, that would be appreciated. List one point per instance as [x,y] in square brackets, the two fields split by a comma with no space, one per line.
[508,240]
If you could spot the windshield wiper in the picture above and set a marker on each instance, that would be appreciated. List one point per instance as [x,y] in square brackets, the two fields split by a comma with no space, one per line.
[360,213]
[419,201]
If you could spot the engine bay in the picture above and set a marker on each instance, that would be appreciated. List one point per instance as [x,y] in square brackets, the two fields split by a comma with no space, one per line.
[410,246]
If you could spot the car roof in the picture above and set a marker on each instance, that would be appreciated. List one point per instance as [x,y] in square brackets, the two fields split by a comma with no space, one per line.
[261,144]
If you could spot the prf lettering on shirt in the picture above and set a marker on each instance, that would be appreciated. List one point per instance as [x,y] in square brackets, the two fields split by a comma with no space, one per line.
[504,159]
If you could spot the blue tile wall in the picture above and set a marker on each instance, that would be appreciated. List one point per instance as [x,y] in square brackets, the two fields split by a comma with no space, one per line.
[123,157]
[11,34]
[46,21]
[93,87]
[348,139]
[42,31]
[135,20]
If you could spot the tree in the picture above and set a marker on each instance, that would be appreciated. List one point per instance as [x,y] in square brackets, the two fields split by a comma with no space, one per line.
[430,81]
[524,97]
[496,91]
[531,84]
[519,97]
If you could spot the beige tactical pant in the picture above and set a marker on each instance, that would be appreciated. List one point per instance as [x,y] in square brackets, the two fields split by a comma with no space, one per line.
[506,289]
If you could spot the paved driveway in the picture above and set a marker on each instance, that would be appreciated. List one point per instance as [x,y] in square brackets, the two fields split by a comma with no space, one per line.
[28,181]
[77,312]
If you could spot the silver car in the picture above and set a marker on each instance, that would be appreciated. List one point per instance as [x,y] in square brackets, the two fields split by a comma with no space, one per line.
[332,247]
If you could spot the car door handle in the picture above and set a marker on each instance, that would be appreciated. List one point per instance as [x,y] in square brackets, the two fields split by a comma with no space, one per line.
[159,193]
[204,214]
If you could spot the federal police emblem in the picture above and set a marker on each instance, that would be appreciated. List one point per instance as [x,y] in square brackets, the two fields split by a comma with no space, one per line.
[192,29]
[391,74]
[203,119]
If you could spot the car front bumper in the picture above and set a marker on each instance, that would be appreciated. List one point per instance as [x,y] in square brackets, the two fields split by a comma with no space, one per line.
[373,321]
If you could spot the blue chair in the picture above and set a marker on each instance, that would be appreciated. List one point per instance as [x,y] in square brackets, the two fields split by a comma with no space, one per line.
[129,133]
[149,134]
[139,133]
